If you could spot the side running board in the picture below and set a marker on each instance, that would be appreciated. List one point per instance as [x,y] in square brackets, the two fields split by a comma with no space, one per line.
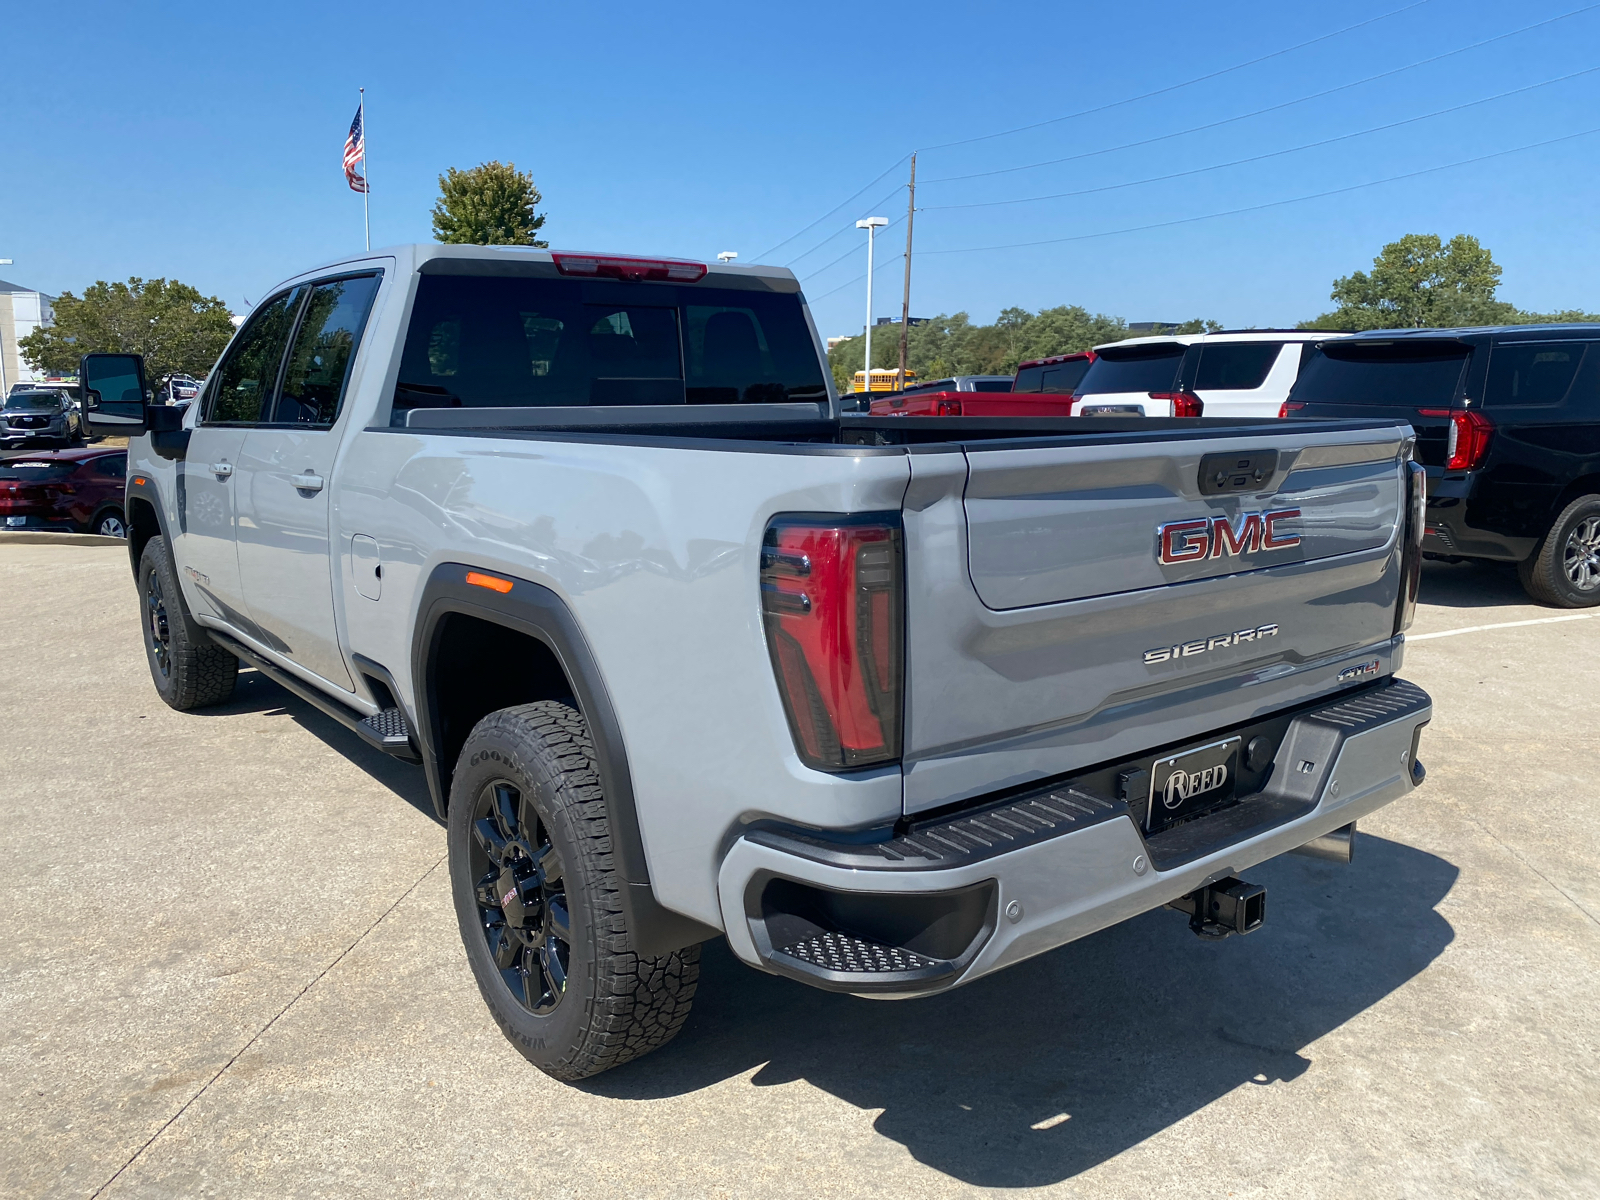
[386,731]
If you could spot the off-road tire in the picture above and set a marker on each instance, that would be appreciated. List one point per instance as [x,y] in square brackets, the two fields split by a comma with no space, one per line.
[1544,572]
[617,1004]
[188,668]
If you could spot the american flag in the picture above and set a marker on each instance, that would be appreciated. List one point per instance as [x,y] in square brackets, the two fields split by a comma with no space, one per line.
[355,151]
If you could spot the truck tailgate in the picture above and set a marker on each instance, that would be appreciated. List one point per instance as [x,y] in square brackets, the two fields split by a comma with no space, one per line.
[1071,642]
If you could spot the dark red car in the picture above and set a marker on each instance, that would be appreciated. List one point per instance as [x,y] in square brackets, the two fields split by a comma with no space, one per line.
[75,489]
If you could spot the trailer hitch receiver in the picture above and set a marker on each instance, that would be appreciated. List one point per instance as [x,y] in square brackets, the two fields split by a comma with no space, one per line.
[1224,908]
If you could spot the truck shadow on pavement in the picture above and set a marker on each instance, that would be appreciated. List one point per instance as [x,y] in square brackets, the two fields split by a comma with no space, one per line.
[254,692]
[1043,1071]
[1471,585]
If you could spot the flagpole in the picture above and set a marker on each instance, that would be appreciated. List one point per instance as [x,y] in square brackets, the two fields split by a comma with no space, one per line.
[366,217]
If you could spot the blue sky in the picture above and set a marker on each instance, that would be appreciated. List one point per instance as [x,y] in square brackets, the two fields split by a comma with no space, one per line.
[203,142]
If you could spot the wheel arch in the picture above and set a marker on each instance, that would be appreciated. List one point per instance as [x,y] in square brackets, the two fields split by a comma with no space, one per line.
[1583,485]
[141,512]
[476,650]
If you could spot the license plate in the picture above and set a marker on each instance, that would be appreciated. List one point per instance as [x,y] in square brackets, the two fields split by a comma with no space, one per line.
[1111,410]
[1189,782]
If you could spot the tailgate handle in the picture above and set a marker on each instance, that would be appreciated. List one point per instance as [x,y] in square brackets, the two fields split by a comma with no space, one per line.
[1239,471]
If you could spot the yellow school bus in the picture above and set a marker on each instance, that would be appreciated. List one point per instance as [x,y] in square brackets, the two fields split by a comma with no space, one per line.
[884,379]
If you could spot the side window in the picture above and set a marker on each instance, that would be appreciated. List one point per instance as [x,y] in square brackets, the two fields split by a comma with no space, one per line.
[324,348]
[113,466]
[1531,373]
[1235,366]
[246,377]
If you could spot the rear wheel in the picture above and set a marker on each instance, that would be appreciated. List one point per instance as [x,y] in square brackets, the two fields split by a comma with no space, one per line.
[539,900]
[1565,569]
[187,667]
[109,523]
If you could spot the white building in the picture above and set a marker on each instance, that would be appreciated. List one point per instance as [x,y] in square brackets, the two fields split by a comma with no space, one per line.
[22,310]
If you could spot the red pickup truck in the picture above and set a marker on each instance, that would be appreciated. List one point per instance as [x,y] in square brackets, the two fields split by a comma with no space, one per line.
[1042,388]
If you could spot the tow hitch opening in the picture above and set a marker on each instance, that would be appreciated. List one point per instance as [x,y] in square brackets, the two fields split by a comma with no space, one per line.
[1224,908]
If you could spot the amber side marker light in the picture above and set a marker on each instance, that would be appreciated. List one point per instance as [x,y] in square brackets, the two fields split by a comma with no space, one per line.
[493,582]
[140,481]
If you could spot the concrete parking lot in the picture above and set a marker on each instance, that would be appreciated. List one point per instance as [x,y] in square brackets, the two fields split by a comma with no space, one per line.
[230,967]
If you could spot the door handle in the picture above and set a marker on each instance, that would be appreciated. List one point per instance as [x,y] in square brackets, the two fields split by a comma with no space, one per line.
[307,482]
[222,469]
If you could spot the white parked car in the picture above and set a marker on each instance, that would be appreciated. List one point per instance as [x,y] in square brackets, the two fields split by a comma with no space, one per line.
[1245,373]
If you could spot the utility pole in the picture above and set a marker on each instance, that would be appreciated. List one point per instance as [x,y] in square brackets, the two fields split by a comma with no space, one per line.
[871,225]
[905,297]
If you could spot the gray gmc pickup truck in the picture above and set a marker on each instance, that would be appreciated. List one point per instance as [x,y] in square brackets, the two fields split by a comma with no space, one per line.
[889,704]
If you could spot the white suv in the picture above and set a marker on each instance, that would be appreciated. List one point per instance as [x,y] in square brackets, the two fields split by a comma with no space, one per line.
[1230,374]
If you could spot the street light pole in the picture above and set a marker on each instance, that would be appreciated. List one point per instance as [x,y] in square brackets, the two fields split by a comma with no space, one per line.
[4,387]
[871,225]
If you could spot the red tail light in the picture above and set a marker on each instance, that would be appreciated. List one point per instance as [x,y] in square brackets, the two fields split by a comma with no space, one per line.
[1469,436]
[948,408]
[615,266]
[1184,404]
[831,599]
[1289,406]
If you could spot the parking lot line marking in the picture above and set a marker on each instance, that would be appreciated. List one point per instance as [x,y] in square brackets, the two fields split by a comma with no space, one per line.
[1423,637]
[257,1035]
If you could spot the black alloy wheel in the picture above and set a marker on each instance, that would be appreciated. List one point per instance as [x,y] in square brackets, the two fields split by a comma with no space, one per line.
[188,669]
[522,897]
[538,898]
[160,626]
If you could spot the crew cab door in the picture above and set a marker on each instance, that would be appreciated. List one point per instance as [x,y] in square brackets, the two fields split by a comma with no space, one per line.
[207,479]
[1116,598]
[285,477]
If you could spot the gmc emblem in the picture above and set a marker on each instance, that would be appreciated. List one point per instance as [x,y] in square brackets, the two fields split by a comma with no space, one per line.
[1217,537]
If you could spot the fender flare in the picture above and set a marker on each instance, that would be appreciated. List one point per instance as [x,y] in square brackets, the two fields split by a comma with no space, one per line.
[537,612]
[151,495]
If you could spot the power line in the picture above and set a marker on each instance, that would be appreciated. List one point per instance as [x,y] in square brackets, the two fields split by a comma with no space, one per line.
[1111,187]
[836,208]
[1052,162]
[846,228]
[1186,83]
[852,282]
[1354,187]
[849,252]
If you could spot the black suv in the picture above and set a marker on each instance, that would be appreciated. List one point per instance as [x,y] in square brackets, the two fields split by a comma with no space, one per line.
[1508,427]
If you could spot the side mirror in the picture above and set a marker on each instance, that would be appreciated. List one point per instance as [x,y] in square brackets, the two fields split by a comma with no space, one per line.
[113,393]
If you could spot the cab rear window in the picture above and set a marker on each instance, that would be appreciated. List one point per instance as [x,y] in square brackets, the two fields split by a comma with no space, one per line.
[1133,369]
[1058,378]
[492,342]
[1422,374]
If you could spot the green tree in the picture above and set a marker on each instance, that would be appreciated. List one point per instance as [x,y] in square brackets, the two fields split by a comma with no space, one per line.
[1420,281]
[491,205]
[170,323]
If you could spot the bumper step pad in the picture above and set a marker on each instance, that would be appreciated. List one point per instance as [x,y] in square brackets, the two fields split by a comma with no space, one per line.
[1035,817]
[845,953]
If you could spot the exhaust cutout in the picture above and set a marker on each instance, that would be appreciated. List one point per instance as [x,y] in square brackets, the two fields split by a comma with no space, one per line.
[1338,845]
